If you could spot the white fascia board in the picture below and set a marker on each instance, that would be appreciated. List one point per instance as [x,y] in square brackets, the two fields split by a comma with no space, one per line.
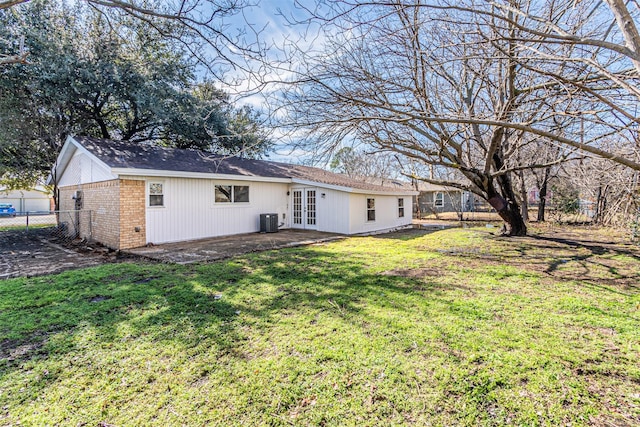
[127,172]
[386,193]
[68,151]
[307,183]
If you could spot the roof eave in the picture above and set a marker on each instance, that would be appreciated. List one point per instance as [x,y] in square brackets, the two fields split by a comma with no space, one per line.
[135,172]
[386,191]
[66,153]
[157,173]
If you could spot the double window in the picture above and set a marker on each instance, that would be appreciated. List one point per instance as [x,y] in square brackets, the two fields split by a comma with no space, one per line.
[371,209]
[232,194]
[223,194]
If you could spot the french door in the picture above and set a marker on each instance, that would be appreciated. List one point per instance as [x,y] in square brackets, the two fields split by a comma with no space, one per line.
[304,208]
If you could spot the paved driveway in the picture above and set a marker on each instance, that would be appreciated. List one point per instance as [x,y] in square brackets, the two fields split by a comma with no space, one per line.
[224,247]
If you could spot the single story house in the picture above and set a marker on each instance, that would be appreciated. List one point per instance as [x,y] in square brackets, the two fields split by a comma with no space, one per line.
[435,199]
[140,194]
[533,197]
[36,199]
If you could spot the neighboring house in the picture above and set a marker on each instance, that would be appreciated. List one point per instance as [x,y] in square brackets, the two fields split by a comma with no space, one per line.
[435,199]
[37,199]
[533,197]
[141,194]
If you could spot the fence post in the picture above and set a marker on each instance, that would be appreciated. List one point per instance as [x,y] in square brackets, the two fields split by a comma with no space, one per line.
[27,221]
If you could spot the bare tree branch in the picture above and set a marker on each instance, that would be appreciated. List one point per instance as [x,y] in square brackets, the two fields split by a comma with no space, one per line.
[10,3]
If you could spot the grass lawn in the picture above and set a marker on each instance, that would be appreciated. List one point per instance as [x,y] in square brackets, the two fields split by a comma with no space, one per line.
[457,327]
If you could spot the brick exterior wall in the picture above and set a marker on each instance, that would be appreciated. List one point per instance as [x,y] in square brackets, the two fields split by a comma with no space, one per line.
[117,211]
[133,231]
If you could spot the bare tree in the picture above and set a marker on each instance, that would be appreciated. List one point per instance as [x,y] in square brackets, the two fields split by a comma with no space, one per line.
[469,84]
[598,44]
[456,92]
[359,163]
[611,192]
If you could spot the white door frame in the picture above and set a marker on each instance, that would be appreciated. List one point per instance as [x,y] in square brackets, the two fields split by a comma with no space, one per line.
[304,208]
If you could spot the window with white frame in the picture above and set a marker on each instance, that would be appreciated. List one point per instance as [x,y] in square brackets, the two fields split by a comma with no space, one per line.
[439,200]
[371,209]
[156,194]
[232,194]
[241,194]
[401,208]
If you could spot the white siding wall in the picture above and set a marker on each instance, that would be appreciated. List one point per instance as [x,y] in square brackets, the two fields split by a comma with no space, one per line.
[83,170]
[346,213]
[386,213]
[333,211]
[190,213]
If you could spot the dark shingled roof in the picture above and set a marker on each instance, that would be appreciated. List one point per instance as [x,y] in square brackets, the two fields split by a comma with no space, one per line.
[119,154]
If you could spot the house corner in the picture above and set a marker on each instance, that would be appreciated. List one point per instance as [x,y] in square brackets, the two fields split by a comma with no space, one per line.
[133,230]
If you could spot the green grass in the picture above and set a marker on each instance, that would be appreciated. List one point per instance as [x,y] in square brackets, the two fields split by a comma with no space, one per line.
[24,227]
[457,327]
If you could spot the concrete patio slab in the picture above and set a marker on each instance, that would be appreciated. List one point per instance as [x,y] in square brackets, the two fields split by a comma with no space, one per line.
[216,248]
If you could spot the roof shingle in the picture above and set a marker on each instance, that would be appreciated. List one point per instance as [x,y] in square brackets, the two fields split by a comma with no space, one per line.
[125,155]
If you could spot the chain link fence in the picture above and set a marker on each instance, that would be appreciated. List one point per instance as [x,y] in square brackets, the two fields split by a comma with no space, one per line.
[62,226]
[582,212]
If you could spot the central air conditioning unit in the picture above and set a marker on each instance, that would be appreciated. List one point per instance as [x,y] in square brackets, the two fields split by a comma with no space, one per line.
[269,223]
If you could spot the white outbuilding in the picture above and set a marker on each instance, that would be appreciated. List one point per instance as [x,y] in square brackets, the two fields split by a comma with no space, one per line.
[36,199]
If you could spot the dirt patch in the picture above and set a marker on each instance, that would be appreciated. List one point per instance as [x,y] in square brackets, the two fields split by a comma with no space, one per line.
[33,253]
[592,255]
[415,273]
[583,254]
[12,350]
[99,298]
[426,279]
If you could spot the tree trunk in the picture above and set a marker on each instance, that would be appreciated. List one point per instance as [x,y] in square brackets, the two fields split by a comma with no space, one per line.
[524,208]
[596,215]
[505,204]
[510,214]
[417,200]
[601,205]
[543,195]
[514,223]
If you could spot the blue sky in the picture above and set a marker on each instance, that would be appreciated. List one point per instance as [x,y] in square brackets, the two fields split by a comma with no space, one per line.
[269,18]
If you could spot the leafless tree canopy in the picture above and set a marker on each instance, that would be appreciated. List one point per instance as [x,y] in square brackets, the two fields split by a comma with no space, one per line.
[471,85]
